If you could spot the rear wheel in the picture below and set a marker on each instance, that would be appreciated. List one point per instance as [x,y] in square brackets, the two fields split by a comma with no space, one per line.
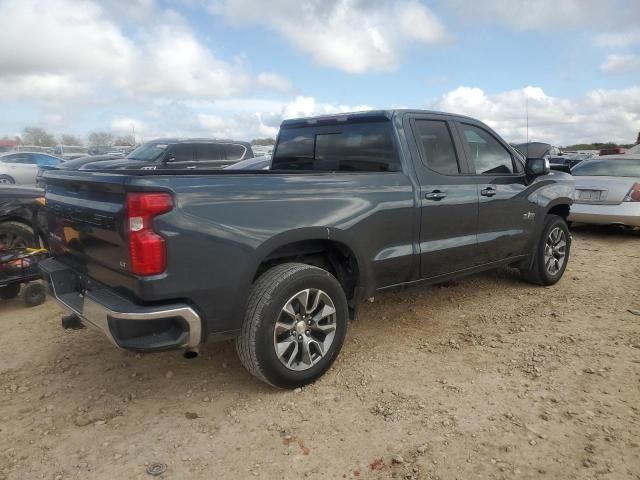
[10,291]
[6,180]
[34,294]
[295,325]
[552,253]
[16,235]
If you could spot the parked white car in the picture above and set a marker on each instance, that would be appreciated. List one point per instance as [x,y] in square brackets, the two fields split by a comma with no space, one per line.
[22,167]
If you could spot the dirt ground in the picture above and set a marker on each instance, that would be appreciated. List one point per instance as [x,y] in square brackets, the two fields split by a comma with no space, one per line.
[487,377]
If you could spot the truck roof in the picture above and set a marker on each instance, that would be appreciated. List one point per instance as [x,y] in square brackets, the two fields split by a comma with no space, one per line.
[364,116]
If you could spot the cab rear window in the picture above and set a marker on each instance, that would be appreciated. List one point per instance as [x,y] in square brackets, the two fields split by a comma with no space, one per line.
[353,147]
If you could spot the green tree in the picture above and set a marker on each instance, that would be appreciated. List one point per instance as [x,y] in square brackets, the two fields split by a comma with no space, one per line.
[100,139]
[128,140]
[67,139]
[38,137]
[263,141]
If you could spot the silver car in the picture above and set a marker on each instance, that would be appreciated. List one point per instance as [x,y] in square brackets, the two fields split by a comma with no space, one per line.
[21,168]
[607,191]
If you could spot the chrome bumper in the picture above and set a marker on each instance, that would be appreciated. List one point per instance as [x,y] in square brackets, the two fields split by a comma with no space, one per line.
[165,327]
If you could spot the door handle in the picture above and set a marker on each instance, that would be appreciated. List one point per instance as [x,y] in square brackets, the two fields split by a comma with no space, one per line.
[191,167]
[488,192]
[436,195]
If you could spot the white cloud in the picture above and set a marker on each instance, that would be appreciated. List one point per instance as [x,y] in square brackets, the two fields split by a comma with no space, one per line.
[46,87]
[549,14]
[59,36]
[273,81]
[623,39]
[127,125]
[351,35]
[59,49]
[621,63]
[600,115]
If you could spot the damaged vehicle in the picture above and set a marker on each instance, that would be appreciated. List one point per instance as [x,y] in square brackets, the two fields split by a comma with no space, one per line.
[279,259]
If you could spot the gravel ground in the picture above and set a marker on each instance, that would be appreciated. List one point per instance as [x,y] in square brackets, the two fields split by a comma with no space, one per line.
[487,377]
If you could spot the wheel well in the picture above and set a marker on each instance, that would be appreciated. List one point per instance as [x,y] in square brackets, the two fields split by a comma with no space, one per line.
[332,256]
[561,210]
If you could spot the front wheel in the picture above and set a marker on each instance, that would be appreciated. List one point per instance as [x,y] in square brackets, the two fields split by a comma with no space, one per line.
[295,325]
[552,253]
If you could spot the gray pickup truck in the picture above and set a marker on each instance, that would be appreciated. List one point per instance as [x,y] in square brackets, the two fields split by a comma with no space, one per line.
[352,205]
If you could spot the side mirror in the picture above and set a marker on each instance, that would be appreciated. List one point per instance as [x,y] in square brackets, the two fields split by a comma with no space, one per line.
[169,157]
[535,167]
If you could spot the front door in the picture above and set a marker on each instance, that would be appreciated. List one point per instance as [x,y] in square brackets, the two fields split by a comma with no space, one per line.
[448,198]
[506,216]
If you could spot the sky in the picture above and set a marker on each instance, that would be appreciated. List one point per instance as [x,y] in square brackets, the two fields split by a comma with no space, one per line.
[237,68]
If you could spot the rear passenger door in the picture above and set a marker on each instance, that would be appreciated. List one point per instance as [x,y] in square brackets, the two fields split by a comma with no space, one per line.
[448,198]
[506,217]
[209,155]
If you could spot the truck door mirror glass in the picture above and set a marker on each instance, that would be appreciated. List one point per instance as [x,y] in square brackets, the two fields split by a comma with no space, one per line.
[537,166]
[169,158]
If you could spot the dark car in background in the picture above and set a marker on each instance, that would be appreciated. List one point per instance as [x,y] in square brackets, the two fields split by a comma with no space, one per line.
[190,154]
[175,153]
[555,156]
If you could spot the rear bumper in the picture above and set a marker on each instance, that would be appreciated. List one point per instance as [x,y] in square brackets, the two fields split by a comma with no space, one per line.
[126,324]
[626,213]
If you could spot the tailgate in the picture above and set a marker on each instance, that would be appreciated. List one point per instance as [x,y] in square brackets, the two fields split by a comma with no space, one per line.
[86,223]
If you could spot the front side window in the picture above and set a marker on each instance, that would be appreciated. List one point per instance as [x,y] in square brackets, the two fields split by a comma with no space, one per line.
[354,147]
[182,152]
[488,155]
[437,146]
[148,152]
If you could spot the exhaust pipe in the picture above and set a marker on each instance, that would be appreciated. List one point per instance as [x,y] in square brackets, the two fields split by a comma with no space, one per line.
[191,353]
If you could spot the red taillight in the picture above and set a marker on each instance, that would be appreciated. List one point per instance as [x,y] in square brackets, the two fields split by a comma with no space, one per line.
[634,194]
[146,248]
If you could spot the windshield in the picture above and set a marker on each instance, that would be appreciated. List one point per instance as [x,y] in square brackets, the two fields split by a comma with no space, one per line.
[608,168]
[148,152]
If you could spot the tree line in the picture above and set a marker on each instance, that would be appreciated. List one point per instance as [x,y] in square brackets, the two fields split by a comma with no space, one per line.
[39,137]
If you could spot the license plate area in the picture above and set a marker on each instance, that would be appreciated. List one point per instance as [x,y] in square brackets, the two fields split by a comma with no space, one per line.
[591,195]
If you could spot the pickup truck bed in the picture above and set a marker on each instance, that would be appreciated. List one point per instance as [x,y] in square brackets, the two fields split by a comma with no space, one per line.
[380,217]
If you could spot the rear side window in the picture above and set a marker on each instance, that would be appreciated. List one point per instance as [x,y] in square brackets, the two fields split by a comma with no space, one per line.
[354,147]
[22,158]
[437,146]
[233,151]
[488,155]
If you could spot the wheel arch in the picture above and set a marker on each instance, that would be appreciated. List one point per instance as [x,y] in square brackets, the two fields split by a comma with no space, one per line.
[318,247]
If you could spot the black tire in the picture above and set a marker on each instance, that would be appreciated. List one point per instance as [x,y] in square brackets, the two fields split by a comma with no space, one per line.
[16,235]
[271,292]
[34,294]
[10,291]
[6,180]
[538,273]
